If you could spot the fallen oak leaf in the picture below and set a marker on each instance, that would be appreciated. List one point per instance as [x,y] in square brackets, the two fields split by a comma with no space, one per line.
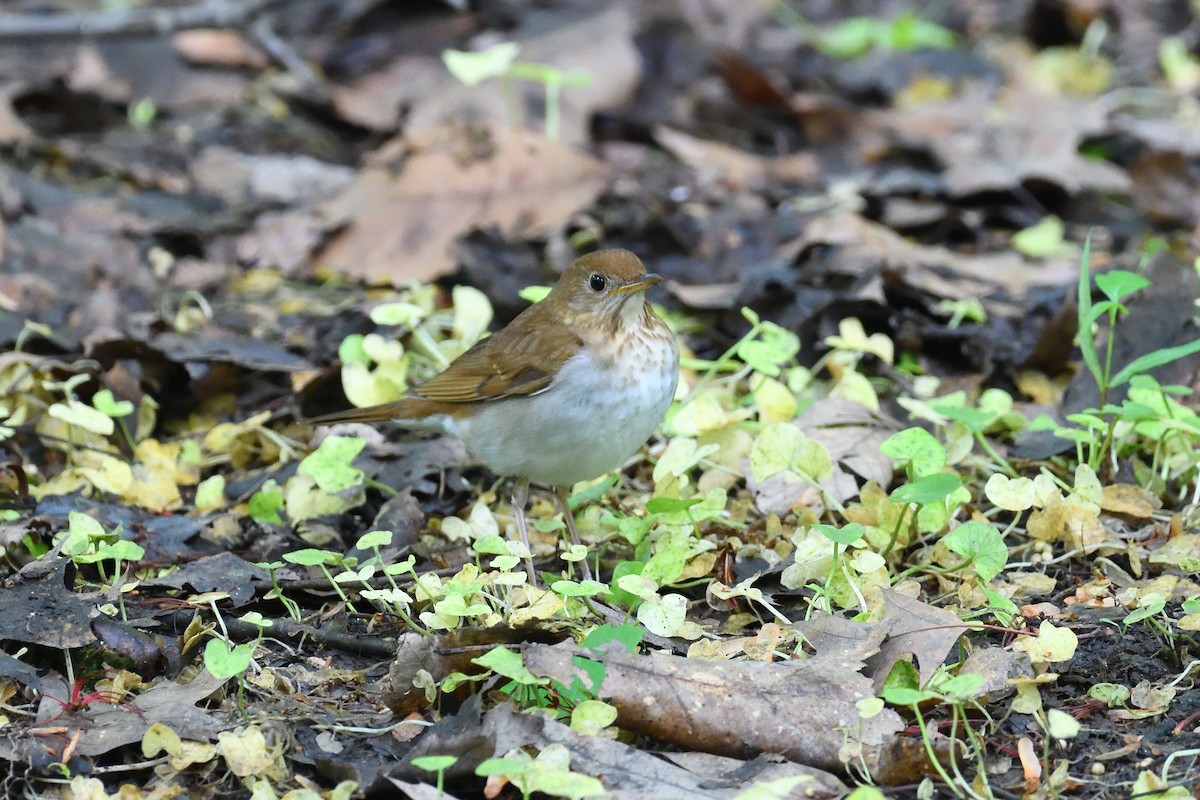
[803,709]
[103,727]
[398,220]
[915,627]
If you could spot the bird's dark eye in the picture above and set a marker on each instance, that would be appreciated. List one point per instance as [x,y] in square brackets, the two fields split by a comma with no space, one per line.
[597,282]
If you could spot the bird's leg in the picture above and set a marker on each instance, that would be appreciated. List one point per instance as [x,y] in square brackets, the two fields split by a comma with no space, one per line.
[520,495]
[560,492]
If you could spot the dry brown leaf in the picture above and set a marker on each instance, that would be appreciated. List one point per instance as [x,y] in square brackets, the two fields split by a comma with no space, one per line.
[1177,549]
[219,47]
[914,627]
[12,128]
[440,655]
[375,101]
[939,271]
[803,709]
[834,636]
[599,45]
[1070,523]
[266,180]
[1165,189]
[999,667]
[102,727]
[995,144]
[628,772]
[1130,500]
[400,217]
[1030,764]
[39,609]
[717,162]
[419,90]
[852,434]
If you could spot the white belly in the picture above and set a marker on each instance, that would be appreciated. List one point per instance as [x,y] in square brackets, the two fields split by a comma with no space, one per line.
[587,423]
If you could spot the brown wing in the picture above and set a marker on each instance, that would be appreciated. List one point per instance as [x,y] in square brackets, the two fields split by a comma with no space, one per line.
[521,359]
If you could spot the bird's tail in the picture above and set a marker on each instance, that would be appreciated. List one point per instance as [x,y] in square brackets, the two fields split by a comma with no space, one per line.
[408,409]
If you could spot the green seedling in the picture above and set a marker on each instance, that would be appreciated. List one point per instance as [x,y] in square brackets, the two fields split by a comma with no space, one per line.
[526,689]
[968,310]
[1042,240]
[549,695]
[916,451]
[994,415]
[902,688]
[841,537]
[499,61]
[1178,65]
[457,602]
[1117,285]
[935,499]
[765,349]
[290,605]
[326,481]
[981,545]
[225,661]
[549,773]
[783,448]
[322,560]
[392,599]
[438,764]
[141,115]
[857,36]
[86,542]
[104,402]
[76,413]
[265,504]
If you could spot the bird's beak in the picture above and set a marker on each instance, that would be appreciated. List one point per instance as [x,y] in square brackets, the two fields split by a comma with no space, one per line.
[640,285]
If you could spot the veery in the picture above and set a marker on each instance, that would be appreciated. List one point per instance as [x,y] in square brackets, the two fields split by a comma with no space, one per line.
[566,392]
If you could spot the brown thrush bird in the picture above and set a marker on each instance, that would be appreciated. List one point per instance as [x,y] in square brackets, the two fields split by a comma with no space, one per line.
[566,392]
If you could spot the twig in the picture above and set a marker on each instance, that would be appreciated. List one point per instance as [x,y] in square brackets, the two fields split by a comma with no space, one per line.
[283,53]
[362,644]
[131,21]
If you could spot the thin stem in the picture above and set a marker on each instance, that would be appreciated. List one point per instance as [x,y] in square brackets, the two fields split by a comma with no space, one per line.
[337,588]
[712,370]
[1108,351]
[928,744]
[896,531]
[383,487]
[553,97]
[996,457]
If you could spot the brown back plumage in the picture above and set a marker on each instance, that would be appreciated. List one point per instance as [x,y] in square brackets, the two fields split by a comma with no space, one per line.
[524,357]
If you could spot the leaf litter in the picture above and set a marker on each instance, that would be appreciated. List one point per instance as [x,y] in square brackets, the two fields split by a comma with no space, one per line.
[897,524]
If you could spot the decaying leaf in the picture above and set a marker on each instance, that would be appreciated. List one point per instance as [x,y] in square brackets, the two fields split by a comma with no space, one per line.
[40,609]
[628,773]
[399,219]
[103,727]
[803,709]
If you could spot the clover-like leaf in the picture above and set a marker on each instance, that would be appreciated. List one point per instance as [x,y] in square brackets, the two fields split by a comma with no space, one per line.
[1010,494]
[330,464]
[473,68]
[917,450]
[104,402]
[927,490]
[508,663]
[225,663]
[982,544]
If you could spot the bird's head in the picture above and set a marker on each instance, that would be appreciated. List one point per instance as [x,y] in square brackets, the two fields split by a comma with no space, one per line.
[608,286]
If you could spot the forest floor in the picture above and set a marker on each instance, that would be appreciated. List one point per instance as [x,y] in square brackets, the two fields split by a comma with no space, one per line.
[922,520]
